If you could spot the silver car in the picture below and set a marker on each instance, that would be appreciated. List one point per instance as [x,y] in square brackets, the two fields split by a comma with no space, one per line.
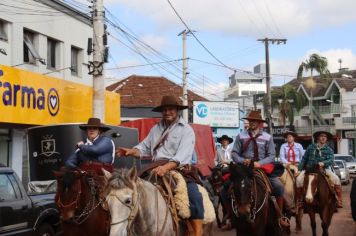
[350,162]
[344,171]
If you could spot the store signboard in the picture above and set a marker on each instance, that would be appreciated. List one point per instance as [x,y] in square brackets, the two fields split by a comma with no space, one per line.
[216,114]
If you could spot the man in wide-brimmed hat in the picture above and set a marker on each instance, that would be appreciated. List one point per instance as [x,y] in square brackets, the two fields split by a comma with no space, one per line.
[96,148]
[320,154]
[291,152]
[223,154]
[257,145]
[172,139]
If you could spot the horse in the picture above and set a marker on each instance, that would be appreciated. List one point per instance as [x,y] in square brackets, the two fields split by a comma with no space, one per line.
[289,182]
[255,213]
[79,202]
[138,208]
[216,179]
[319,198]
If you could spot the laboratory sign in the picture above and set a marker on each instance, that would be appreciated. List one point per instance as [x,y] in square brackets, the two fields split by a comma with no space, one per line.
[216,114]
[35,99]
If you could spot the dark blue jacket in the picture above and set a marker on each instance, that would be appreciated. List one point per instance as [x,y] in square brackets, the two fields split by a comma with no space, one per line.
[101,151]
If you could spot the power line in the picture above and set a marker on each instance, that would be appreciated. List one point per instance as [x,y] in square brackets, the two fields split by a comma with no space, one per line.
[141,65]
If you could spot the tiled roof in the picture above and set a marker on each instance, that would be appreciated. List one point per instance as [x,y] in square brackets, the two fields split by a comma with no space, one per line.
[147,91]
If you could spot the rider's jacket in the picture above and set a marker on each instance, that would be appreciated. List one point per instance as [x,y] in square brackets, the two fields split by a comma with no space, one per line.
[102,149]
[265,148]
[315,154]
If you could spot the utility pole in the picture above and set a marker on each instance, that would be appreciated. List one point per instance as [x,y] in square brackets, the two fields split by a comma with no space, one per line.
[97,66]
[268,78]
[185,73]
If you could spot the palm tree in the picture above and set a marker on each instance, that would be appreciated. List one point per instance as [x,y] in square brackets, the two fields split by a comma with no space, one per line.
[319,64]
[287,99]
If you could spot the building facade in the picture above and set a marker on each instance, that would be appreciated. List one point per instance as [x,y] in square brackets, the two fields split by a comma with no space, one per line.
[43,72]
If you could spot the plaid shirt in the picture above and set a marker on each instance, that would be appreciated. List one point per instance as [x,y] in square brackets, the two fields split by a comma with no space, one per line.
[313,155]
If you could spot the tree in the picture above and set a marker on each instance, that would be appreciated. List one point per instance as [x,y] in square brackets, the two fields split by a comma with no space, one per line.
[315,63]
[287,99]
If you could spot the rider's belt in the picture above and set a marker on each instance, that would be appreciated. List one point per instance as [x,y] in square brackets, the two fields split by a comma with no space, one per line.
[96,166]
[190,173]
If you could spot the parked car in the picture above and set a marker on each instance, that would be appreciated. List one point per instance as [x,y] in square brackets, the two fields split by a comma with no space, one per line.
[350,162]
[335,168]
[22,213]
[344,171]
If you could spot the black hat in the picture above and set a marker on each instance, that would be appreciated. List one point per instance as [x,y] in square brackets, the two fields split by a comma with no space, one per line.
[288,132]
[318,133]
[94,123]
[226,138]
[169,101]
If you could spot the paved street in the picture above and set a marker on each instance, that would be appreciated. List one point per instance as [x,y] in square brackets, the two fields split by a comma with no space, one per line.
[342,223]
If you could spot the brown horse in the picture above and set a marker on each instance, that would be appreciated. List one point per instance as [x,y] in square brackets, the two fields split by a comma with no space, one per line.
[254,211]
[78,199]
[217,182]
[319,198]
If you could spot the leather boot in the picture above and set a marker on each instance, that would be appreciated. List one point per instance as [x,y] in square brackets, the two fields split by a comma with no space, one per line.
[299,196]
[197,226]
[282,220]
[338,192]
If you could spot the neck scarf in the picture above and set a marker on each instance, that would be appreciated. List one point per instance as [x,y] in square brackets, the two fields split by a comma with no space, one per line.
[291,150]
[255,147]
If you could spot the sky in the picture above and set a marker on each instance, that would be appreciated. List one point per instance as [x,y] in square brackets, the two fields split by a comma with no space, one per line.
[229,29]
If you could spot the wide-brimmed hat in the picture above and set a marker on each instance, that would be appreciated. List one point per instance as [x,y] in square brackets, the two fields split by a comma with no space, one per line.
[226,138]
[288,132]
[254,115]
[318,133]
[94,123]
[169,101]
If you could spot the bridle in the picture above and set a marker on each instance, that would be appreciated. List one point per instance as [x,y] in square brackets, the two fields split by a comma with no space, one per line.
[133,206]
[253,197]
[75,201]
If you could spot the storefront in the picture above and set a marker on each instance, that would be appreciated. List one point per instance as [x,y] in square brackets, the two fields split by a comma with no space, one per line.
[29,99]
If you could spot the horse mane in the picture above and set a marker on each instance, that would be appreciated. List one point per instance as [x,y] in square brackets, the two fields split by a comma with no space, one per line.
[240,170]
[68,178]
[120,179]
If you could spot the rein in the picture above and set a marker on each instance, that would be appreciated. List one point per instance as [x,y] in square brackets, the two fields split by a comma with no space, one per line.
[75,201]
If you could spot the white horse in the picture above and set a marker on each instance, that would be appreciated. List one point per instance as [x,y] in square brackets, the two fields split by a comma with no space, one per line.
[136,206]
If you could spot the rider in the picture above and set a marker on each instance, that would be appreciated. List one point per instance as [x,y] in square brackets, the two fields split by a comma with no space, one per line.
[96,148]
[223,154]
[173,139]
[255,144]
[223,157]
[291,152]
[321,154]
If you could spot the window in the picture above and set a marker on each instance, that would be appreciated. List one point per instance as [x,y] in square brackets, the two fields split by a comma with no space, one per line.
[30,52]
[244,93]
[3,30]
[51,53]
[74,61]
[7,191]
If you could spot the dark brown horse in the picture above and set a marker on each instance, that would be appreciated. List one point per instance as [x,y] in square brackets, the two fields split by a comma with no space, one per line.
[79,201]
[216,179]
[254,211]
[319,198]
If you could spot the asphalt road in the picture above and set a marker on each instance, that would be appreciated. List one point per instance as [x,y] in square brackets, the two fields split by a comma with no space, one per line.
[341,224]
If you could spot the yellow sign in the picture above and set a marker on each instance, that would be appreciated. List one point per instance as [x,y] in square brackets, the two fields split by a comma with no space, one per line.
[31,98]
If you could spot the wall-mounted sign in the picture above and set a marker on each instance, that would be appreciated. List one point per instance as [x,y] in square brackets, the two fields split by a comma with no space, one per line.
[216,114]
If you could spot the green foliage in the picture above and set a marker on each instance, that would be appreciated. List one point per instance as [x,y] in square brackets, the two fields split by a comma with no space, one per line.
[315,63]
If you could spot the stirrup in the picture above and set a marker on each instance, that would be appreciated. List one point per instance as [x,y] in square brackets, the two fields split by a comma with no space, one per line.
[285,220]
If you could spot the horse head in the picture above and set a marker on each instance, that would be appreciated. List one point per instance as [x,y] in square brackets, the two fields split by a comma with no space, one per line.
[311,182]
[69,191]
[242,178]
[216,178]
[122,199]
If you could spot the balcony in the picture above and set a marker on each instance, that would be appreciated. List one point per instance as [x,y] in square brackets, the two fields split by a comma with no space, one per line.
[329,109]
[306,130]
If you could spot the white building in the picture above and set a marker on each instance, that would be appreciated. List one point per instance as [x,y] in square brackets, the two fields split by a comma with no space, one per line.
[244,84]
[45,37]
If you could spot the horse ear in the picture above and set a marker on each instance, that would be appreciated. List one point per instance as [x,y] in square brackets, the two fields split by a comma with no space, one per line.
[133,174]
[106,173]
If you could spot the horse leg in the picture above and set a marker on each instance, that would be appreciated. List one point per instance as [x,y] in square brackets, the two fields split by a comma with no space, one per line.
[312,221]
[298,220]
[216,208]
[326,216]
